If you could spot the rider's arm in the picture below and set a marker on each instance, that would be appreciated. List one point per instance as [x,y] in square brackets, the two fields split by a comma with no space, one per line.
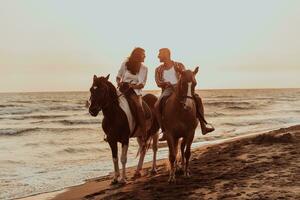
[121,73]
[142,78]
[118,79]
[158,78]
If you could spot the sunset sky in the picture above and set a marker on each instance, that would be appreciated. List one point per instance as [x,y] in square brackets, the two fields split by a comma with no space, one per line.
[58,45]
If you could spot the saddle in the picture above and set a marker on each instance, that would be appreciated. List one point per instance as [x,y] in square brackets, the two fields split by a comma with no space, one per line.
[126,91]
[162,103]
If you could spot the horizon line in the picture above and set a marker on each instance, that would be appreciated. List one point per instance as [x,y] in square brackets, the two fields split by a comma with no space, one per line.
[57,91]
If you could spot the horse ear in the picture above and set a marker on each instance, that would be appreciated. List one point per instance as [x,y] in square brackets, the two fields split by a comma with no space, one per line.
[196,70]
[95,77]
[107,77]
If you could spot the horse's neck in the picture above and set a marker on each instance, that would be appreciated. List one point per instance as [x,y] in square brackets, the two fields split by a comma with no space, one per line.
[174,100]
[178,92]
[112,109]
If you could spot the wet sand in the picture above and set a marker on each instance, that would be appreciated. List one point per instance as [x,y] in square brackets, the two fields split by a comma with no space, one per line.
[261,166]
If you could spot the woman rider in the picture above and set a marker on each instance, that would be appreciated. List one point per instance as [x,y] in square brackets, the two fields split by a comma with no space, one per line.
[134,73]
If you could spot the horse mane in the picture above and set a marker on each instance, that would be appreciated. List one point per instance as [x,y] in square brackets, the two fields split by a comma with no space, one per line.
[113,90]
[178,88]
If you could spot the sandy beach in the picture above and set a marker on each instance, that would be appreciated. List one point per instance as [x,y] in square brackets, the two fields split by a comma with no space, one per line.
[260,166]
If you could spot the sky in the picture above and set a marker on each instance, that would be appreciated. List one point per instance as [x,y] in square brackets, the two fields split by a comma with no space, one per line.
[58,45]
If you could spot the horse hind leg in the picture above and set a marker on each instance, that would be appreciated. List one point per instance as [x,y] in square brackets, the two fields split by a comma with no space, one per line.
[142,154]
[154,148]
[124,161]
[114,150]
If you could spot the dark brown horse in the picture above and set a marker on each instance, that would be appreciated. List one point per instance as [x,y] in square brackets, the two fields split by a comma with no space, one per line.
[180,121]
[105,97]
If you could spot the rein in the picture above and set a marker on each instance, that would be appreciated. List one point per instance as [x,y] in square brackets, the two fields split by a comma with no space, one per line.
[115,99]
[187,97]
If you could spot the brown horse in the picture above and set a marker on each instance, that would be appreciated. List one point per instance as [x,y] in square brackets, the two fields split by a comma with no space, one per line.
[105,97]
[180,121]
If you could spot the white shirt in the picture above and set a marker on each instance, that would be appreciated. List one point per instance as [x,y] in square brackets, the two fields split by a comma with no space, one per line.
[170,76]
[139,78]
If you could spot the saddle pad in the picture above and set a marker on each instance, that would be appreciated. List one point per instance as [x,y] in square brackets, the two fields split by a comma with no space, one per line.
[125,107]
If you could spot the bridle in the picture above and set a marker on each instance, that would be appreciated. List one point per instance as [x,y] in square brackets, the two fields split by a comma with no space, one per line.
[100,106]
[109,101]
[182,98]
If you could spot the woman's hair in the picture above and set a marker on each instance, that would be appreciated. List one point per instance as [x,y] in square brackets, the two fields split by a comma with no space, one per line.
[133,64]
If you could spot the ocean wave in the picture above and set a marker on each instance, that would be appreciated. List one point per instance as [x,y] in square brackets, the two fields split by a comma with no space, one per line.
[10,106]
[215,114]
[257,122]
[12,162]
[66,108]
[21,101]
[16,112]
[72,150]
[52,101]
[224,96]
[241,107]
[247,104]
[14,132]
[77,122]
[227,103]
[17,132]
[37,117]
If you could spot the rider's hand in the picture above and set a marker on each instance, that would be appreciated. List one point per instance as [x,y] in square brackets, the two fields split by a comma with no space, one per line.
[119,83]
[168,84]
[136,86]
[131,85]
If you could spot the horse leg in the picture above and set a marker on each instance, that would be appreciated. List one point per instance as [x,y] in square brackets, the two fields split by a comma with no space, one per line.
[123,161]
[154,148]
[182,163]
[142,150]
[188,154]
[176,144]
[114,149]
[172,156]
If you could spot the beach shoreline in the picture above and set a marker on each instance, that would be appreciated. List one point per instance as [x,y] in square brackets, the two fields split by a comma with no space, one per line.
[258,165]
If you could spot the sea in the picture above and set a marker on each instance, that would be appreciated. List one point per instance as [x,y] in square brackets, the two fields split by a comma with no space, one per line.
[49,141]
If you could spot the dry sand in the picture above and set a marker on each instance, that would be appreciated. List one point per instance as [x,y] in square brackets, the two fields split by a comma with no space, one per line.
[264,166]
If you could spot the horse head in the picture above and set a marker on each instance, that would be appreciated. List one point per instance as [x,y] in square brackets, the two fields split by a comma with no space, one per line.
[187,84]
[100,94]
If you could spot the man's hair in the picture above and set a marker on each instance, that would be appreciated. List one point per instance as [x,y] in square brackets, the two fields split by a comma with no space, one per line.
[166,50]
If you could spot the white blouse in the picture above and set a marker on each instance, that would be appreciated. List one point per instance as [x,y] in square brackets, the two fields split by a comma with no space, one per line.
[139,78]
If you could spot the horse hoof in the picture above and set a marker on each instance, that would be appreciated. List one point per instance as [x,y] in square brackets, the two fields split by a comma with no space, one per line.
[114,182]
[172,180]
[153,171]
[187,174]
[137,175]
[122,181]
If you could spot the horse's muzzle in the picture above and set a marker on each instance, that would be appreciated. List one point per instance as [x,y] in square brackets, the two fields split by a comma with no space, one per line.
[94,111]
